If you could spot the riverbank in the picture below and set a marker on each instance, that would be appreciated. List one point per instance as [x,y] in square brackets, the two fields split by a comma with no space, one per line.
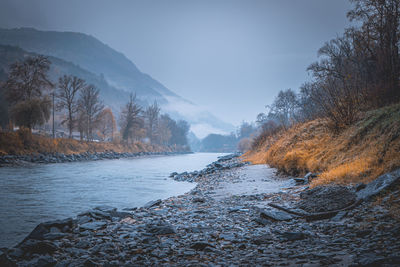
[209,226]
[360,153]
[22,146]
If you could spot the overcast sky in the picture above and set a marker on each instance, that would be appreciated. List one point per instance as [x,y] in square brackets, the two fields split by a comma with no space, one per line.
[231,57]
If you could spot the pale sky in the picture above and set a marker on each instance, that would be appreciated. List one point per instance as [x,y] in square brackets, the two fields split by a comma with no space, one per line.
[231,57]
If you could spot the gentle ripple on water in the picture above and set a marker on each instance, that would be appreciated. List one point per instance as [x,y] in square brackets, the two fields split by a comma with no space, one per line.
[39,193]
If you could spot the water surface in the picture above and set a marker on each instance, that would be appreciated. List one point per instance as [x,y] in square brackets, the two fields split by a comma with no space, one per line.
[43,192]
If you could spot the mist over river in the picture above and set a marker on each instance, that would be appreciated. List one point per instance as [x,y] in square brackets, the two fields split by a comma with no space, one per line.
[43,192]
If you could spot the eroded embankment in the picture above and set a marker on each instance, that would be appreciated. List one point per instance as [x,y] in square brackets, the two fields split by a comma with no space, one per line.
[359,153]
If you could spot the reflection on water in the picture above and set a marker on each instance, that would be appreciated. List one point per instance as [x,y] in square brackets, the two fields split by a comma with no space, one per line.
[31,195]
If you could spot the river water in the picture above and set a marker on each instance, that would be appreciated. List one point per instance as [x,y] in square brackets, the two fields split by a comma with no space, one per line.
[44,192]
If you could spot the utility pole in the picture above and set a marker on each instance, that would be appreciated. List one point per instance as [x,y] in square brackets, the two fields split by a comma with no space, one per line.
[53,117]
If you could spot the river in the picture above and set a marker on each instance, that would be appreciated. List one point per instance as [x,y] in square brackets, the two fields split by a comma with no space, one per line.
[44,192]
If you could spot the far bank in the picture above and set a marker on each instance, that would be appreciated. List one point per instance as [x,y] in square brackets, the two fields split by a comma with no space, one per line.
[22,146]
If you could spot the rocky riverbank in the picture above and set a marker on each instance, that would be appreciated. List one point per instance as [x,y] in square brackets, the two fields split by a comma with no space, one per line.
[207,226]
[44,158]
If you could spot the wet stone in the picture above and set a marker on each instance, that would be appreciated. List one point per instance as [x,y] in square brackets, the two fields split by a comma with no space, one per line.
[151,204]
[292,236]
[276,215]
[92,226]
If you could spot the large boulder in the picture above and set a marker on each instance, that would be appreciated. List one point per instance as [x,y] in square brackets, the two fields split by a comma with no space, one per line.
[327,198]
[383,182]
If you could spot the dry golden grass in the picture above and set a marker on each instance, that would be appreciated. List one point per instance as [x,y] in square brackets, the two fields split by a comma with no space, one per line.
[359,153]
[22,142]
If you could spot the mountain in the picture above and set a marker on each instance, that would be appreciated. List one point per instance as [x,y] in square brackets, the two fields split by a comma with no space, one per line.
[115,97]
[116,72]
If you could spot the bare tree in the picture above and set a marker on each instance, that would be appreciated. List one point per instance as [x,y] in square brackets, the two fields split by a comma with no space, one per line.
[81,122]
[91,107]
[284,107]
[68,88]
[4,114]
[25,91]
[378,38]
[130,119]
[338,87]
[151,116]
[245,130]
[308,109]
[106,124]
[163,131]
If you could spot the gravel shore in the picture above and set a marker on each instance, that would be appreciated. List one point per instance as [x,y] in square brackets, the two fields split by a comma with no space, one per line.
[226,220]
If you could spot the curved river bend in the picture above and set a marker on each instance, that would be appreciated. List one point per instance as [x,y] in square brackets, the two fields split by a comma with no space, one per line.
[38,193]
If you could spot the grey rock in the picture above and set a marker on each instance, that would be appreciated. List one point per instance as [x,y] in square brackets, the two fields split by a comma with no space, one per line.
[99,215]
[90,263]
[326,198]
[92,226]
[293,236]
[235,209]
[119,214]
[153,203]
[39,247]
[15,252]
[105,208]
[199,200]
[262,221]
[83,219]
[82,244]
[60,224]
[378,185]
[276,215]
[200,245]
[339,216]
[262,239]
[7,261]
[43,261]
[363,233]
[228,237]
[38,232]
[162,230]
[54,236]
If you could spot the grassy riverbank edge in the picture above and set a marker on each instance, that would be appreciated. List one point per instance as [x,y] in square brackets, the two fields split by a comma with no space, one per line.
[22,142]
[360,153]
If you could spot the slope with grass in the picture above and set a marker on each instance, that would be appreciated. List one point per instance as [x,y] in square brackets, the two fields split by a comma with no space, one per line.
[24,143]
[359,153]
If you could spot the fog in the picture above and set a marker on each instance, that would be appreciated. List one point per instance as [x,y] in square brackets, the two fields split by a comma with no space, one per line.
[229,57]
